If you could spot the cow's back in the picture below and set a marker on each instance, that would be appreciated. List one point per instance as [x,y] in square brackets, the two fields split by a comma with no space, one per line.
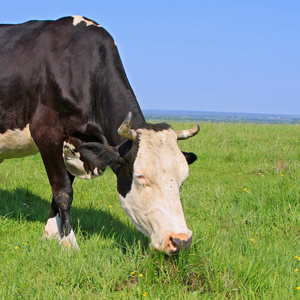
[17,60]
[64,74]
[42,57]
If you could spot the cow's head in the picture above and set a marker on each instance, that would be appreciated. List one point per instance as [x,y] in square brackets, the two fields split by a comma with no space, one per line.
[150,170]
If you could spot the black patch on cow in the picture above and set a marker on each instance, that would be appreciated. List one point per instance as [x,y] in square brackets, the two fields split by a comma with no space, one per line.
[128,151]
[125,177]
[156,127]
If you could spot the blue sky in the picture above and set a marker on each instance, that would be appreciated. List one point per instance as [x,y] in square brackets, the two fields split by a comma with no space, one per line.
[213,55]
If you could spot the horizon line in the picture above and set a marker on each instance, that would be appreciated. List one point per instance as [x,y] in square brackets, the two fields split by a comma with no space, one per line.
[219,112]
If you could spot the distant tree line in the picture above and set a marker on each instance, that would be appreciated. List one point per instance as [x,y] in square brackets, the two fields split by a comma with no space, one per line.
[217,117]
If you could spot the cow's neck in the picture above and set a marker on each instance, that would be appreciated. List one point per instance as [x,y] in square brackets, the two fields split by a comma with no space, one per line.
[117,99]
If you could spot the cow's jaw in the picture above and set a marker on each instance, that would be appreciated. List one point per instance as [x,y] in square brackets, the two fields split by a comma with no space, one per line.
[153,202]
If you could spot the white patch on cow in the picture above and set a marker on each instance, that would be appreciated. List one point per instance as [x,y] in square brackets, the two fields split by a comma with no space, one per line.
[79,19]
[53,228]
[69,241]
[153,203]
[17,143]
[74,165]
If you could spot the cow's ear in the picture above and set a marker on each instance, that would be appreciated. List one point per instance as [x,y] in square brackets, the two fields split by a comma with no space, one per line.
[124,148]
[190,157]
[100,155]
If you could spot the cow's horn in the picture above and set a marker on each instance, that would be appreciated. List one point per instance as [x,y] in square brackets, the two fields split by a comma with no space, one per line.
[125,129]
[185,134]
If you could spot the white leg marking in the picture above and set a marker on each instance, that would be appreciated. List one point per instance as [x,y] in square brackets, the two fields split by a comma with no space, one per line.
[53,228]
[69,241]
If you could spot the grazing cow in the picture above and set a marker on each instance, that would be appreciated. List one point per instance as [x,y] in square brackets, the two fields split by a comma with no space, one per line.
[64,93]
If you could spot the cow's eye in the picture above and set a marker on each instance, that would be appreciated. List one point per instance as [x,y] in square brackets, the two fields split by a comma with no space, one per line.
[141,179]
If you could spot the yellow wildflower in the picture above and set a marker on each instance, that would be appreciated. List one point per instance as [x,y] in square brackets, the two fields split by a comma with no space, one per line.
[251,240]
[298,287]
[141,275]
[110,206]
[245,189]
[132,273]
[145,294]
[16,247]
[296,270]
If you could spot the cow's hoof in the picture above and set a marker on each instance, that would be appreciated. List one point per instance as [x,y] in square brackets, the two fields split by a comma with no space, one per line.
[69,241]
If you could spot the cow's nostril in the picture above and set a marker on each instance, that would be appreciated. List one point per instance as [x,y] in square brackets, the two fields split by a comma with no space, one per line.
[177,244]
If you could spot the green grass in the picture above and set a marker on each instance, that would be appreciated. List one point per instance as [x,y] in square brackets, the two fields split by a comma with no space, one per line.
[241,201]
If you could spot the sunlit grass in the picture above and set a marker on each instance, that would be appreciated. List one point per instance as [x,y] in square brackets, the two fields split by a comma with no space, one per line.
[241,200]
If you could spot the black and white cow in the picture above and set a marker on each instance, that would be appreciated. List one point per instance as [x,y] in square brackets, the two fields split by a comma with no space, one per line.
[64,93]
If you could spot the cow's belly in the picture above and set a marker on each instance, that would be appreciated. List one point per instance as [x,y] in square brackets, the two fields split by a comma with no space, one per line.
[17,143]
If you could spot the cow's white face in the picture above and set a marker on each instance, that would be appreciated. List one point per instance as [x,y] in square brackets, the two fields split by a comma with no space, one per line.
[153,202]
[150,170]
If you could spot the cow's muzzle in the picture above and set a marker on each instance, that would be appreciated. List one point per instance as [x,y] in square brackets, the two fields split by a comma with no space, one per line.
[177,242]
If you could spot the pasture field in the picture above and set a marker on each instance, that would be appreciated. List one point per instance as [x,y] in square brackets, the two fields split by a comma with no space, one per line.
[241,201]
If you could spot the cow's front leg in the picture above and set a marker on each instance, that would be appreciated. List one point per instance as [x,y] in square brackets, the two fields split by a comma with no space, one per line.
[59,223]
[54,227]
[63,201]
[49,140]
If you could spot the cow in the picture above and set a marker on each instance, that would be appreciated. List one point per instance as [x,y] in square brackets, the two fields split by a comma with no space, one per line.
[64,93]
